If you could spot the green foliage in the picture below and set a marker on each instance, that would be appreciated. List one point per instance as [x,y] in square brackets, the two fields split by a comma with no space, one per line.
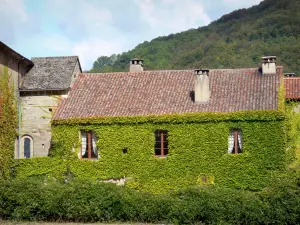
[293,134]
[198,146]
[49,200]
[104,64]
[267,115]
[238,39]
[8,123]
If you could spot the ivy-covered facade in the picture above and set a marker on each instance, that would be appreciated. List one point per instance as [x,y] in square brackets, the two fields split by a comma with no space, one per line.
[146,128]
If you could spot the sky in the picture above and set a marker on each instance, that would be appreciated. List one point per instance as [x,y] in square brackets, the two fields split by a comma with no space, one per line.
[93,28]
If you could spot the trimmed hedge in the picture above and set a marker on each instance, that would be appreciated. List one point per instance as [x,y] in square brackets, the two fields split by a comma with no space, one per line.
[49,200]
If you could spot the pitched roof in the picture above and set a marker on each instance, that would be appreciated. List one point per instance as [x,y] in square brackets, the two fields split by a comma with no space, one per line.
[26,62]
[50,73]
[292,87]
[168,92]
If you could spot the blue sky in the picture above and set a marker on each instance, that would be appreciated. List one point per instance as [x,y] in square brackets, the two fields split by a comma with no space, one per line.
[92,28]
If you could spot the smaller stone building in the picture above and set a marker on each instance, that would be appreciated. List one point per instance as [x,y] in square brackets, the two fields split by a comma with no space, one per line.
[41,90]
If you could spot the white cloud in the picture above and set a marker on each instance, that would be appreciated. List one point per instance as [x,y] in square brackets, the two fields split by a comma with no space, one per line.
[56,42]
[241,3]
[80,17]
[170,16]
[13,17]
[15,9]
[89,50]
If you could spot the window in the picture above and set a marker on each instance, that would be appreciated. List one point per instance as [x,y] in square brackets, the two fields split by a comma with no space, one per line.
[235,141]
[26,147]
[125,150]
[27,144]
[161,143]
[88,145]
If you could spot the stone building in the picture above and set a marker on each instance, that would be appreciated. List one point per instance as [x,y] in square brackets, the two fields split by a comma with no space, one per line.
[39,84]
[41,90]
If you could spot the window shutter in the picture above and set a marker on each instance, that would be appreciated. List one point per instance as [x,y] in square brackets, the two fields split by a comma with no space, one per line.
[83,143]
[240,139]
[94,141]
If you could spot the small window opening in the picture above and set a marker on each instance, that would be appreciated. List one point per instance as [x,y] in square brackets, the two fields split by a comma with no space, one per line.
[88,148]
[125,150]
[50,109]
[235,141]
[27,147]
[161,143]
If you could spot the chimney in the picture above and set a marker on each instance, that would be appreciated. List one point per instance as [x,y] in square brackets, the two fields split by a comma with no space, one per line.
[136,65]
[268,64]
[202,92]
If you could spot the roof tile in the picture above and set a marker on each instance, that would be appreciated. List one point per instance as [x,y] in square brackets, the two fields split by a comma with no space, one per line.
[292,87]
[168,92]
[49,73]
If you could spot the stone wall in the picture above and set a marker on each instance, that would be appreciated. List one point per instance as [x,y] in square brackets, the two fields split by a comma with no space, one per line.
[37,108]
[75,73]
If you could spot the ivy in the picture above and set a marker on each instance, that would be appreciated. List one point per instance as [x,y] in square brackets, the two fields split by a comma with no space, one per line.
[8,123]
[263,115]
[197,148]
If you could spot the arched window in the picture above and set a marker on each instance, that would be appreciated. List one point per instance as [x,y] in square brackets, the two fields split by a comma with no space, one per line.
[27,144]
[26,147]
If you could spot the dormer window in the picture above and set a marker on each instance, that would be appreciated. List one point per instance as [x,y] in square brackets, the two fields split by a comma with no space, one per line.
[235,141]
[88,145]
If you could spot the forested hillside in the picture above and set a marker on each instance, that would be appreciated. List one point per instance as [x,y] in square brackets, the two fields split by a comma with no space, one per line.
[238,39]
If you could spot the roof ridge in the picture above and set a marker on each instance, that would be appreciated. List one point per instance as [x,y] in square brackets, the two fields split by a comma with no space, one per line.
[52,57]
[149,71]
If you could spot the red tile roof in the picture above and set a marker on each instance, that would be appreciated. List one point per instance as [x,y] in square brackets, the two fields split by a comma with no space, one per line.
[292,87]
[168,92]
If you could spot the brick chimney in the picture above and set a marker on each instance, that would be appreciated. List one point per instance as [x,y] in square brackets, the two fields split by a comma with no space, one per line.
[268,64]
[202,92]
[136,65]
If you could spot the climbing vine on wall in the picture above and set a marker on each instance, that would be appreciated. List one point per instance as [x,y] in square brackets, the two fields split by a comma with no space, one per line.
[8,123]
[198,147]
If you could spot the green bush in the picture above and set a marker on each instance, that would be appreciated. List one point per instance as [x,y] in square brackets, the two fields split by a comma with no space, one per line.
[86,201]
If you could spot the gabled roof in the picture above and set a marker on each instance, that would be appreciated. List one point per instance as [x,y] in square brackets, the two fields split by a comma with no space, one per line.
[168,92]
[50,73]
[7,50]
[292,87]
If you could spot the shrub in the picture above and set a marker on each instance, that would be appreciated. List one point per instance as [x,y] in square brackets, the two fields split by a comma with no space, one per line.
[49,200]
